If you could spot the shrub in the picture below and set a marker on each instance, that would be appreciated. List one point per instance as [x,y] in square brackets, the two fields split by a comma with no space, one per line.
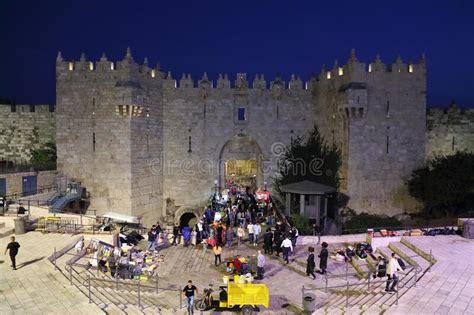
[302,223]
[359,223]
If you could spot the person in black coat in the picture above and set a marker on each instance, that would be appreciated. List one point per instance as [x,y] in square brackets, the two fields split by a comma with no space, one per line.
[323,258]
[277,240]
[268,242]
[310,264]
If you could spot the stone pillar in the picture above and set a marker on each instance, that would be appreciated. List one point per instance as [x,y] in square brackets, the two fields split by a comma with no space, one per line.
[325,210]
[318,209]
[287,204]
[302,205]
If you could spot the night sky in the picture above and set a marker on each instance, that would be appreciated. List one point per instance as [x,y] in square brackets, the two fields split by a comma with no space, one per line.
[267,37]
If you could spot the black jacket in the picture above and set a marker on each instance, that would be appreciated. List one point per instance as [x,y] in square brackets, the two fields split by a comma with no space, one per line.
[323,262]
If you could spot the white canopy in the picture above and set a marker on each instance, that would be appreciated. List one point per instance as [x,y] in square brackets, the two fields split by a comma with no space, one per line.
[121,217]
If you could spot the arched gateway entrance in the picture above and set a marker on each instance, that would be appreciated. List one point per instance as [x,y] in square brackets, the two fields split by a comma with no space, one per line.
[186,217]
[241,163]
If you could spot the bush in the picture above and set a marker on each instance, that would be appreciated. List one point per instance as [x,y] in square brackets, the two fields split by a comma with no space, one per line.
[359,223]
[302,223]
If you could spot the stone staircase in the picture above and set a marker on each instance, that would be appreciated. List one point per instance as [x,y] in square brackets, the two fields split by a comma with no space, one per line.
[121,301]
[369,296]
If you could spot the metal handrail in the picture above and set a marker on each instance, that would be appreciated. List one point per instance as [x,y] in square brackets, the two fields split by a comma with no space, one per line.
[347,285]
[89,283]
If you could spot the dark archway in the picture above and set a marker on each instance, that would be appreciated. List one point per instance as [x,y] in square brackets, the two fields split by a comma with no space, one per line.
[187,219]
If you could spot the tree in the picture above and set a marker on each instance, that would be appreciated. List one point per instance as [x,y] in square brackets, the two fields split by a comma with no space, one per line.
[45,154]
[445,184]
[309,158]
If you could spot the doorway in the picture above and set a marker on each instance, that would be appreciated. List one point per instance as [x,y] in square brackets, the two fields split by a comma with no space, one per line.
[241,158]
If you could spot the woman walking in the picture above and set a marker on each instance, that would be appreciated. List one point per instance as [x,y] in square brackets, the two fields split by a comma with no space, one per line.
[310,264]
[240,234]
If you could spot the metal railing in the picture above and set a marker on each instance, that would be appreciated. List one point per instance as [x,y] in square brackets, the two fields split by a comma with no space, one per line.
[94,282]
[416,271]
[347,285]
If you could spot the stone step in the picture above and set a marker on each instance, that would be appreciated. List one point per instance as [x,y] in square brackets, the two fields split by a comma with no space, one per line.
[114,310]
[411,255]
[6,231]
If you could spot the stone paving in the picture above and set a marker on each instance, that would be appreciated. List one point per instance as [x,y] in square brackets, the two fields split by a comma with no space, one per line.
[37,288]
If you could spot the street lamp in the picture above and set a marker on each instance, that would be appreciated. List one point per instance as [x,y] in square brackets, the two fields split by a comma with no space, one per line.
[265,185]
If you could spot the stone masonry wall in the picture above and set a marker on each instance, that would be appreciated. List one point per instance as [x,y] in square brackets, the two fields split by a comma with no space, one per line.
[377,116]
[102,108]
[140,140]
[202,130]
[14,183]
[449,130]
[23,130]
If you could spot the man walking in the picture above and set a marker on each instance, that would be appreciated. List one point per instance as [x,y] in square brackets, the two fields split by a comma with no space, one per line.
[392,278]
[189,291]
[12,247]
[260,265]
[287,248]
[317,232]
[152,235]
[251,231]
[323,258]
[175,235]
[256,232]
[267,241]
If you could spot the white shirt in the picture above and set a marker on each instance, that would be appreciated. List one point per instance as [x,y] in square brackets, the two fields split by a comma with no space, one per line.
[287,243]
[257,229]
[393,266]
[250,228]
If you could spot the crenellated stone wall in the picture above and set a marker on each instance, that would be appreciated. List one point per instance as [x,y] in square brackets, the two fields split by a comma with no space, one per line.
[24,128]
[148,145]
[376,115]
[109,130]
[449,130]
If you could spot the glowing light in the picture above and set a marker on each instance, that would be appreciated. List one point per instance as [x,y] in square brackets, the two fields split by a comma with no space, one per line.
[370,67]
[153,73]
[328,74]
[91,66]
[341,71]
[71,66]
[410,68]
[112,67]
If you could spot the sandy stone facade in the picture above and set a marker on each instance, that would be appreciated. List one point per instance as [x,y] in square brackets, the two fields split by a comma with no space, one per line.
[449,130]
[146,144]
[24,128]
[13,181]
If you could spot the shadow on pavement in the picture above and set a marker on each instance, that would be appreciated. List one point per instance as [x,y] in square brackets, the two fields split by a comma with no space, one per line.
[26,263]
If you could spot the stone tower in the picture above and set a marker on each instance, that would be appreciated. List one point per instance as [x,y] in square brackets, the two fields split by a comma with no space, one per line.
[109,130]
[377,115]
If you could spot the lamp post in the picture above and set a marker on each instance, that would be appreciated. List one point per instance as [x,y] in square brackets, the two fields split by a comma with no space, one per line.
[265,185]
[215,194]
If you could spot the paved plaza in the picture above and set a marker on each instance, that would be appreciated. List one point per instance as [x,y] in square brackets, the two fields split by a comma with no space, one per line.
[37,288]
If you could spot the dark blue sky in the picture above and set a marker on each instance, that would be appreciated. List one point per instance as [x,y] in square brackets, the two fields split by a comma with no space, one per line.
[236,36]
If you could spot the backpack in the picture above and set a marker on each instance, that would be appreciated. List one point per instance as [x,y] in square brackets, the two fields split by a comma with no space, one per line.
[401,263]
[382,268]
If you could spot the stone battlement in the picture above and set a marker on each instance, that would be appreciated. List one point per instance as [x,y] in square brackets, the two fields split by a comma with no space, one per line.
[451,114]
[24,109]
[352,69]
